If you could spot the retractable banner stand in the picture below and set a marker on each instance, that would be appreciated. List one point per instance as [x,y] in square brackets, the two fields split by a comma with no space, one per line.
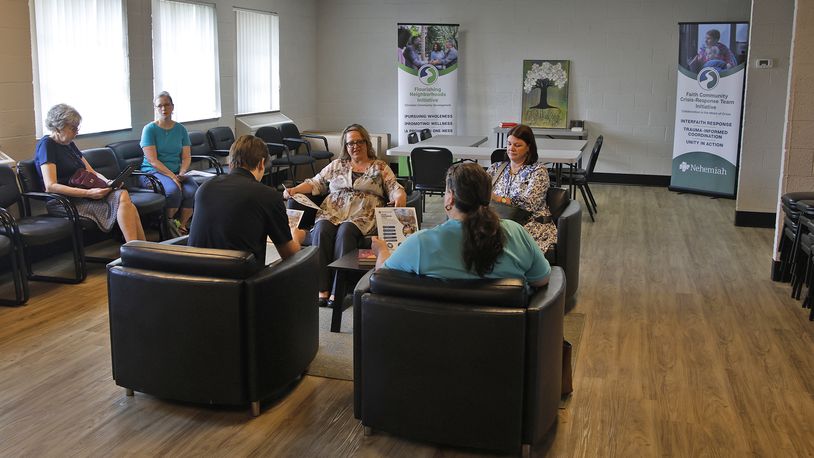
[427,57]
[709,104]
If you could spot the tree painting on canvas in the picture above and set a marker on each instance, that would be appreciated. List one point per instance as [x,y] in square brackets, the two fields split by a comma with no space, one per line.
[545,93]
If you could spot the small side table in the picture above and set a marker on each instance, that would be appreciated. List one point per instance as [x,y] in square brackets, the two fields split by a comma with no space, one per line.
[347,270]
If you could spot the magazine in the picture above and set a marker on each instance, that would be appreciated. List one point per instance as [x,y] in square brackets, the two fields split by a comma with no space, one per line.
[294,218]
[395,224]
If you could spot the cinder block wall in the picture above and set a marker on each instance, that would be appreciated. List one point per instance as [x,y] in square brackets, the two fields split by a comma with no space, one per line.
[16,93]
[765,106]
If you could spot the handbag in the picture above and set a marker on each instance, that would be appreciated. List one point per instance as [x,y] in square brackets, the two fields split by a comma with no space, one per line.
[505,211]
[86,180]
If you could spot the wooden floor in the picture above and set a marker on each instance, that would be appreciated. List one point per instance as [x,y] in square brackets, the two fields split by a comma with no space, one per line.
[689,349]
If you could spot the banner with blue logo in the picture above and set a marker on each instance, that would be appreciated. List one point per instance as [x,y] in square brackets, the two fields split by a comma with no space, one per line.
[709,102]
[427,57]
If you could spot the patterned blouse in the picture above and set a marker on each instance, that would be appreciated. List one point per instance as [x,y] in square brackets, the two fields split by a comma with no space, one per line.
[527,189]
[350,200]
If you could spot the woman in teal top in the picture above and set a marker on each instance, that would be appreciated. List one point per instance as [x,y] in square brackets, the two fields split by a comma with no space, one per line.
[167,155]
[473,243]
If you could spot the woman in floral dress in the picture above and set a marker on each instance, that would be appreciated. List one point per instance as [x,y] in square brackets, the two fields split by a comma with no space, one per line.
[523,182]
[356,184]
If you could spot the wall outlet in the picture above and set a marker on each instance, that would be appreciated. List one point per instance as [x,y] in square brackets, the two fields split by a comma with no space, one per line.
[764,63]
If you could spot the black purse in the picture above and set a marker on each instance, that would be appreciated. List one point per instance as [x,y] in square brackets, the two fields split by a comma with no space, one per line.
[505,211]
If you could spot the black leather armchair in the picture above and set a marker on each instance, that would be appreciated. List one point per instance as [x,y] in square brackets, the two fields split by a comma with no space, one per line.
[203,325]
[567,215]
[466,363]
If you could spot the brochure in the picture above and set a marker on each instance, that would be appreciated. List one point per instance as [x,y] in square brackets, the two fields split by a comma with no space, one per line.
[198,173]
[395,224]
[294,218]
[303,200]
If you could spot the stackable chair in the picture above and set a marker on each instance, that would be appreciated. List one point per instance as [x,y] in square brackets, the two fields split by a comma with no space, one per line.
[202,156]
[281,155]
[11,250]
[294,139]
[499,155]
[469,363]
[206,326]
[149,202]
[581,177]
[220,139]
[429,168]
[801,247]
[30,231]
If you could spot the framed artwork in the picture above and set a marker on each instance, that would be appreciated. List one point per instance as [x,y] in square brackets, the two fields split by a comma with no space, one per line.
[545,93]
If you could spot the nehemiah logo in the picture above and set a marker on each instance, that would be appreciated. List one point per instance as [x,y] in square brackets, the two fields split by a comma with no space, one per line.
[701,169]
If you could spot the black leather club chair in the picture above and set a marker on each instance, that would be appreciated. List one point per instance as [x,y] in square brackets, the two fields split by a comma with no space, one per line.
[425,134]
[246,335]
[202,156]
[472,363]
[567,216]
[149,202]
[412,137]
[429,167]
[220,139]
[34,231]
[281,155]
[294,139]
[11,250]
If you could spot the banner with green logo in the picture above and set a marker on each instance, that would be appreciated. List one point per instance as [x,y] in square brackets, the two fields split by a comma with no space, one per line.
[427,58]
[709,103]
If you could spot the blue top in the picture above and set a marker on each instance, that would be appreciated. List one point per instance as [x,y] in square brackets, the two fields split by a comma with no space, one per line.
[66,158]
[168,144]
[436,252]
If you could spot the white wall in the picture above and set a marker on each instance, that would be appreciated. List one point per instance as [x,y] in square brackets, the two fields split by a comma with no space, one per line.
[623,57]
[765,106]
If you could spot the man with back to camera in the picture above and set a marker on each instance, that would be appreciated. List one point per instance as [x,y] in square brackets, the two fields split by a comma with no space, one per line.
[237,212]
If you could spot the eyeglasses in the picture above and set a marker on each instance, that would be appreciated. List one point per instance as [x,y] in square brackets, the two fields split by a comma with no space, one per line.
[75,129]
[355,143]
[163,105]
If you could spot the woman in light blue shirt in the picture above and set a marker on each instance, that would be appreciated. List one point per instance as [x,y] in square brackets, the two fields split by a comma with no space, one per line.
[167,155]
[473,243]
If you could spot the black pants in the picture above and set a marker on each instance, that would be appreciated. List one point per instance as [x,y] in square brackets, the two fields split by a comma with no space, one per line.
[333,242]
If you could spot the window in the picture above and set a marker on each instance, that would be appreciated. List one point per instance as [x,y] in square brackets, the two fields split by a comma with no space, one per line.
[258,61]
[80,58]
[185,58]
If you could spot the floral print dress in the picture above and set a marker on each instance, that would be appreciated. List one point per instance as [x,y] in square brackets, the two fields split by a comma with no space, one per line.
[353,200]
[527,189]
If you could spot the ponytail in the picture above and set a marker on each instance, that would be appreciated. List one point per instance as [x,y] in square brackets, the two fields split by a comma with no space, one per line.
[483,240]
[483,237]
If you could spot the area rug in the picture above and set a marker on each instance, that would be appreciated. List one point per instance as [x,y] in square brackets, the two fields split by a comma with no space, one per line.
[335,355]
